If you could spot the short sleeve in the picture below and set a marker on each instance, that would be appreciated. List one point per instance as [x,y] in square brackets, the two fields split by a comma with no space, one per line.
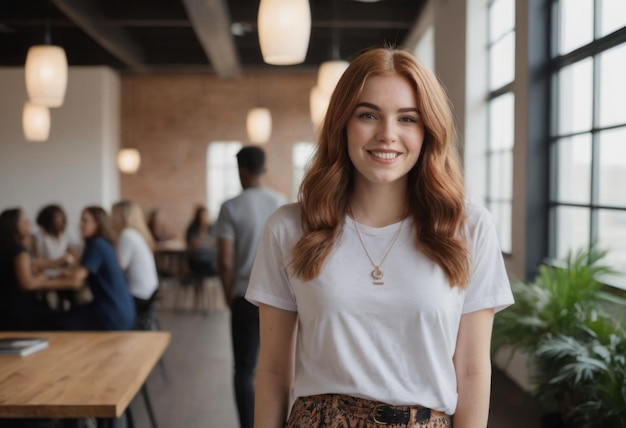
[269,281]
[224,228]
[92,256]
[489,285]
[124,249]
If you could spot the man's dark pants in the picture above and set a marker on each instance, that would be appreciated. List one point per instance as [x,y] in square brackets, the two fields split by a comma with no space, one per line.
[245,335]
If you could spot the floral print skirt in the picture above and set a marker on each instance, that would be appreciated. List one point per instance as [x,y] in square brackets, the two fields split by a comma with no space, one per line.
[343,411]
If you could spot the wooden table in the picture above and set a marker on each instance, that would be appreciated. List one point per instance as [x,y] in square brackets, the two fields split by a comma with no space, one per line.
[80,375]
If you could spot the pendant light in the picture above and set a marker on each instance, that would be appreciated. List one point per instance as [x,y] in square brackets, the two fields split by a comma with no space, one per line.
[128,160]
[46,73]
[259,125]
[318,104]
[35,122]
[329,74]
[284,30]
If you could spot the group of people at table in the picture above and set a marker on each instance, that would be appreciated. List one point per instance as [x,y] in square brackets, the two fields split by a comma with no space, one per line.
[46,283]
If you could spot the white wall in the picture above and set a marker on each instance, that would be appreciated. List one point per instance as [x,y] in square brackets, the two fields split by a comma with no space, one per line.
[76,166]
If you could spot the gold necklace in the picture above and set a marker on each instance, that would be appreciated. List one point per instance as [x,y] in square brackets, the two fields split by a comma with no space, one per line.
[377,273]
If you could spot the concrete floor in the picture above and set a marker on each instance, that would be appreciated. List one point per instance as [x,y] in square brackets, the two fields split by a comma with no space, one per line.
[198,390]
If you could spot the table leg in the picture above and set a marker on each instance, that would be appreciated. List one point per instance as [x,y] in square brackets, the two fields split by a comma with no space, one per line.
[130,422]
[146,399]
[108,423]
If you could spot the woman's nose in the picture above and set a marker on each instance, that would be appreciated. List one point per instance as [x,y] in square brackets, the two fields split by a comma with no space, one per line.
[387,131]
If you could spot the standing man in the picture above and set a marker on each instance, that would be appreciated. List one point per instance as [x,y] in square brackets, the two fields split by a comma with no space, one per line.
[238,229]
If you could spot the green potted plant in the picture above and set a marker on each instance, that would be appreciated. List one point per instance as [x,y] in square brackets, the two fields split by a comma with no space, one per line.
[587,374]
[575,348]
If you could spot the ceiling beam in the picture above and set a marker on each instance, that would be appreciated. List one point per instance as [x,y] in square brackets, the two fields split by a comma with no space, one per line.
[87,15]
[211,23]
[424,21]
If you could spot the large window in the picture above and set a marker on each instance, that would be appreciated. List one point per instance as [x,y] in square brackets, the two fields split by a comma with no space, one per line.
[588,129]
[222,174]
[501,113]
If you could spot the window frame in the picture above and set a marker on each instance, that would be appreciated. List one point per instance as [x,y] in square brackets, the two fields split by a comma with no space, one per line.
[556,63]
[490,152]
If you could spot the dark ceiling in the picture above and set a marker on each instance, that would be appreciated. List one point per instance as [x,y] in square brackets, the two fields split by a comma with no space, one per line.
[157,35]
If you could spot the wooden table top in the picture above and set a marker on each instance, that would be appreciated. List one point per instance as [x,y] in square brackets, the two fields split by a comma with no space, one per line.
[80,374]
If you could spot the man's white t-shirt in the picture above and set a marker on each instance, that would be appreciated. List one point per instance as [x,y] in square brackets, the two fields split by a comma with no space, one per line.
[394,342]
[241,220]
[137,261]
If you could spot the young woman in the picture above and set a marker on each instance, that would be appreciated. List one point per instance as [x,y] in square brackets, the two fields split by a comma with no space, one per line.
[21,305]
[390,275]
[53,252]
[51,241]
[134,252]
[112,307]
[157,227]
[201,247]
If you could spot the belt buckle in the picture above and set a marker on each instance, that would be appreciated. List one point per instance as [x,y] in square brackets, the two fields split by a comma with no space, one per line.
[378,412]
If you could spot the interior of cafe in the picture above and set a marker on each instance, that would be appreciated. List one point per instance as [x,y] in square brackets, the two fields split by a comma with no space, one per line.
[150,101]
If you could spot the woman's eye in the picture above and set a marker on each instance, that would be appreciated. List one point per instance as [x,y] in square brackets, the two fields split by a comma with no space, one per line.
[367,116]
[408,119]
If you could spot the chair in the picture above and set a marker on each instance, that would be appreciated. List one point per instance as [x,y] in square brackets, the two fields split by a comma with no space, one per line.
[147,319]
[198,274]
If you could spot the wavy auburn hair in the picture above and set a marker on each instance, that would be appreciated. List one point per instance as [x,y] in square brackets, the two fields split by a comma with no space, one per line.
[435,196]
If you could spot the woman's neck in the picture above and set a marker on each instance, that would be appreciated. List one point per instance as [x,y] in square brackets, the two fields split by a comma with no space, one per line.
[378,206]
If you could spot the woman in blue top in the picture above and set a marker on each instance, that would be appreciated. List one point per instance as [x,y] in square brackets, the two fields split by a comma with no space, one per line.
[112,307]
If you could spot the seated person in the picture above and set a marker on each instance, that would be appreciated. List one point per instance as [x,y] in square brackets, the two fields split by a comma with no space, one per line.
[22,307]
[52,252]
[202,251]
[112,307]
[51,244]
[134,252]
[158,229]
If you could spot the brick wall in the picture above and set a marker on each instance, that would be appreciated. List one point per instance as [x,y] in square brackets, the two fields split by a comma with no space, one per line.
[172,118]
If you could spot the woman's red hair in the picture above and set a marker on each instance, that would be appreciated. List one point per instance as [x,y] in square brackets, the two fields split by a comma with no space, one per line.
[435,197]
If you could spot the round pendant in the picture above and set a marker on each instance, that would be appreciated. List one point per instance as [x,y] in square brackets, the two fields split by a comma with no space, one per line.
[377,274]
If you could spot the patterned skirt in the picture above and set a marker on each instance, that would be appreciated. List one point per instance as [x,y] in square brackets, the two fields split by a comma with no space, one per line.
[344,411]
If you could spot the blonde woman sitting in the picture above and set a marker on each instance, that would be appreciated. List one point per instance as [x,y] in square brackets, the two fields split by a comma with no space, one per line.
[134,252]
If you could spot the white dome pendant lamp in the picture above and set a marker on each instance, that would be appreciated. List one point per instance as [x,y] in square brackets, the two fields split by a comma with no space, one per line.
[284,31]
[46,75]
[329,74]
[318,104]
[128,160]
[35,122]
[259,125]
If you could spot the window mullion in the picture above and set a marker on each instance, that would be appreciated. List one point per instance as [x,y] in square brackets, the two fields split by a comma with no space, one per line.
[595,152]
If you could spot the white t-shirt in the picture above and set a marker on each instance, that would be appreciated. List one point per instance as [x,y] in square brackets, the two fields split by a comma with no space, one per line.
[241,220]
[51,247]
[137,261]
[394,342]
